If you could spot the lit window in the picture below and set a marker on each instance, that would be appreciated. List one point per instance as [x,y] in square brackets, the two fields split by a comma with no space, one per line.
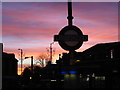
[111,54]
[30,77]
[77,60]
[87,79]
[93,75]
[80,75]
[53,80]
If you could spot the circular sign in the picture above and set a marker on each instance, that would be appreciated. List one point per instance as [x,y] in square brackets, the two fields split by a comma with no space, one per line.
[70,38]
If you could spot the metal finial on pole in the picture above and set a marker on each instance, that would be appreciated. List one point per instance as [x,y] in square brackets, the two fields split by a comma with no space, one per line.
[70,17]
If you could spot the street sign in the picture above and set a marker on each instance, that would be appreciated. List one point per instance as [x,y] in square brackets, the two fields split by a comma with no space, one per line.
[70,38]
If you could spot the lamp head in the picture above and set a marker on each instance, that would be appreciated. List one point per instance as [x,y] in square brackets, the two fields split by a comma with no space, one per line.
[26,57]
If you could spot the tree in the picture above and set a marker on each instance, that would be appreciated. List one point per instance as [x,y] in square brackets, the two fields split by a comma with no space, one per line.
[26,76]
[42,60]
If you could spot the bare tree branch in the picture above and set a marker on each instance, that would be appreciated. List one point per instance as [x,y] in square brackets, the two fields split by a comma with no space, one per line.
[43,60]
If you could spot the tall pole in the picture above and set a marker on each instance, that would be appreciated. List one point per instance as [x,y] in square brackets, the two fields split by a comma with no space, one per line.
[32,64]
[70,17]
[21,51]
[51,51]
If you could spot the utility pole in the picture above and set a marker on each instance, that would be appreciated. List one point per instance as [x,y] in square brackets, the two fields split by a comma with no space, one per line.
[51,51]
[32,64]
[21,51]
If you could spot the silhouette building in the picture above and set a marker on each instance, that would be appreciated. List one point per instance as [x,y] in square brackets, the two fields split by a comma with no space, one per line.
[9,64]
[96,67]
[102,51]
[9,71]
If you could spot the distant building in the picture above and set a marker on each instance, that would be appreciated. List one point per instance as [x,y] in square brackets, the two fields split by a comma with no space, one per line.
[1,47]
[9,71]
[9,64]
[102,51]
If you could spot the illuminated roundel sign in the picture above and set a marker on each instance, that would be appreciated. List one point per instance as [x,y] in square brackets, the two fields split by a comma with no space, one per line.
[70,38]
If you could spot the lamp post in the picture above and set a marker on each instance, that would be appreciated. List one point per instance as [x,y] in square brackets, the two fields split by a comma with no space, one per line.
[31,62]
[21,51]
[51,51]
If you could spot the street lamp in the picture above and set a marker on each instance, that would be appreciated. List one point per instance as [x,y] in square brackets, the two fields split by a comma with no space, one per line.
[21,51]
[51,51]
[31,62]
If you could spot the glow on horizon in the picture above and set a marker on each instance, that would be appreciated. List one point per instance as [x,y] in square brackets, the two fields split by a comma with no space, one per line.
[31,26]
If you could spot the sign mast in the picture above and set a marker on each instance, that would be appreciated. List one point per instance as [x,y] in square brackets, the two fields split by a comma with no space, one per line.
[70,17]
[70,37]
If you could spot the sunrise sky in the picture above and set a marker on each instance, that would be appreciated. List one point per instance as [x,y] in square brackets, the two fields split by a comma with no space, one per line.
[32,25]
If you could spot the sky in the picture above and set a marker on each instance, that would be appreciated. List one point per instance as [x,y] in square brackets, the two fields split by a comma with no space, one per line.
[31,26]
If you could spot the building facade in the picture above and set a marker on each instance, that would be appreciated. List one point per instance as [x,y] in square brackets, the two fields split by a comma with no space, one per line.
[96,67]
[9,71]
[9,64]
